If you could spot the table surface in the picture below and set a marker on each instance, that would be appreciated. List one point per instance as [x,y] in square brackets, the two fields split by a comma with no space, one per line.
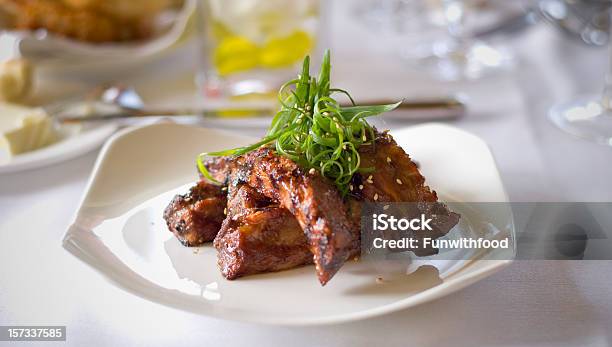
[530,303]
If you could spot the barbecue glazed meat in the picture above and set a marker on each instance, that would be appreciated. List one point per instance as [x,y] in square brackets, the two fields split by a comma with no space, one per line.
[396,178]
[331,224]
[196,217]
[311,198]
[257,237]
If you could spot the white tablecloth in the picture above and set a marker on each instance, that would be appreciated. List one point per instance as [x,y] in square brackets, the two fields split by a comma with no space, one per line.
[530,303]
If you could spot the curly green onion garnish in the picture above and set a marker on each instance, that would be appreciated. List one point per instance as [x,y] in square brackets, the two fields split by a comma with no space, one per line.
[313,130]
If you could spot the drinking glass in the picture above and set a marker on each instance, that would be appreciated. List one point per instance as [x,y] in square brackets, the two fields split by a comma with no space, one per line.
[590,116]
[461,55]
[250,47]
[436,35]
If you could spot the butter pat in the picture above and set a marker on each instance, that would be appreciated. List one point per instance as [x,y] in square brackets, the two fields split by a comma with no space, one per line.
[24,129]
[15,79]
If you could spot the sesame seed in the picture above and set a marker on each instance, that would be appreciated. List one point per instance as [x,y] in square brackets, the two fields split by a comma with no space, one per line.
[361,186]
[223,189]
[351,187]
[370,181]
[311,171]
[349,159]
[370,177]
[225,211]
[398,181]
[388,160]
[386,207]
[375,196]
[364,138]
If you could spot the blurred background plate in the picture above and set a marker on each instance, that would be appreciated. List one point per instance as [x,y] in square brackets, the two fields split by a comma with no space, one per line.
[73,144]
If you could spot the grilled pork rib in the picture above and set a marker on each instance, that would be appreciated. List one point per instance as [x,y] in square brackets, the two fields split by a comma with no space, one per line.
[258,237]
[396,178]
[266,189]
[311,198]
[393,178]
[196,217]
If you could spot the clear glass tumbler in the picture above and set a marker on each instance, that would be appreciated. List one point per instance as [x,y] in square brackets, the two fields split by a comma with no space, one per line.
[251,47]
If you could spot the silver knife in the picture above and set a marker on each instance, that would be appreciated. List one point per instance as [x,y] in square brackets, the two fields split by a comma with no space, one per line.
[430,109]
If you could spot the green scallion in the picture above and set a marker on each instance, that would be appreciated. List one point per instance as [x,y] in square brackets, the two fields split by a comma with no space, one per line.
[312,129]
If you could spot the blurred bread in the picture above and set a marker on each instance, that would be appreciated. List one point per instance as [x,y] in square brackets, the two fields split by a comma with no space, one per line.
[121,9]
[86,20]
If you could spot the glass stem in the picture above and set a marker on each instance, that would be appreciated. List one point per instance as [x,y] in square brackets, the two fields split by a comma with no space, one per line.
[606,97]
[454,13]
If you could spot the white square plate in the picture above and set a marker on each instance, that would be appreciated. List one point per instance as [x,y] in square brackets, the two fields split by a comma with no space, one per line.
[119,231]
